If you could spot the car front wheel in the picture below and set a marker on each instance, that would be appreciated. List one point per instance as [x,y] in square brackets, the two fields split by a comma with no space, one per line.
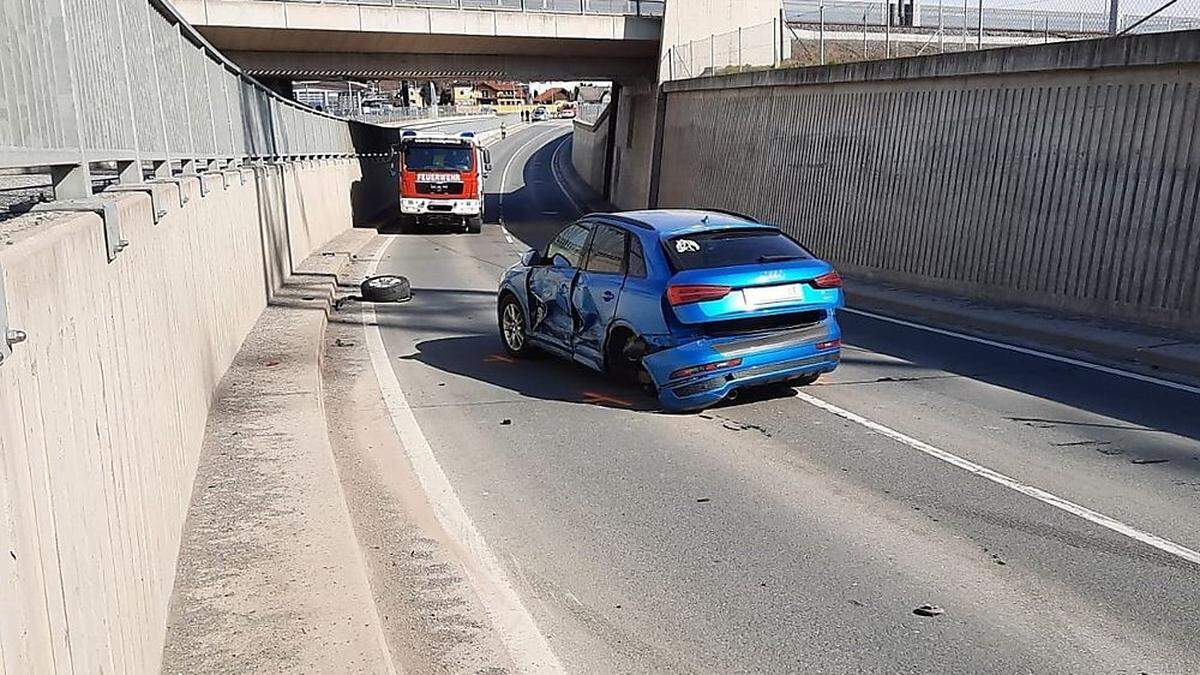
[512,327]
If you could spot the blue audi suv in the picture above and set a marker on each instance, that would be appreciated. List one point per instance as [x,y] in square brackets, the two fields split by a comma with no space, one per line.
[693,305]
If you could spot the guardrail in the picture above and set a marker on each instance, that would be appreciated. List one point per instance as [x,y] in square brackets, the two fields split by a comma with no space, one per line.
[129,83]
[647,8]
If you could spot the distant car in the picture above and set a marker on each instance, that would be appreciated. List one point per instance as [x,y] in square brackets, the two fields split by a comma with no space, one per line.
[540,114]
[566,113]
[694,305]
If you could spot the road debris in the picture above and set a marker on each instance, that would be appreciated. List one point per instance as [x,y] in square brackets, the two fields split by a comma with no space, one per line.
[1154,460]
[505,422]
[929,610]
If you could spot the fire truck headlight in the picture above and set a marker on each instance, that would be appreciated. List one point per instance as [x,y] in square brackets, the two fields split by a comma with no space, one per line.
[411,205]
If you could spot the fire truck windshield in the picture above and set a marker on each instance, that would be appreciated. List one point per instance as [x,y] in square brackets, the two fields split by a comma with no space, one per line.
[438,158]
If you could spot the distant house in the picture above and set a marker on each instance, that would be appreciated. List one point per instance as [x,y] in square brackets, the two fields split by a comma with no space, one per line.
[492,92]
[590,93]
[464,95]
[553,95]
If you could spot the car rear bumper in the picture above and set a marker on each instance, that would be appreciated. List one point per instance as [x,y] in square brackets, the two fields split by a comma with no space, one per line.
[754,360]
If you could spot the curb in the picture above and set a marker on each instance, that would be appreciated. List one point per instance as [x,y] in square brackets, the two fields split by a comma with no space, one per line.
[1140,353]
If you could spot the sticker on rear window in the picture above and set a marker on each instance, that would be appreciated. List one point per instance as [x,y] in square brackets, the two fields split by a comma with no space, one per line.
[686,246]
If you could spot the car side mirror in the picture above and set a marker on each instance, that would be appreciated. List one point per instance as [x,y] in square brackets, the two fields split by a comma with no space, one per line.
[532,258]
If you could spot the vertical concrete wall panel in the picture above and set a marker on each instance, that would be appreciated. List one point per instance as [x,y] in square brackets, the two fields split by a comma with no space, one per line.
[1073,190]
[109,396]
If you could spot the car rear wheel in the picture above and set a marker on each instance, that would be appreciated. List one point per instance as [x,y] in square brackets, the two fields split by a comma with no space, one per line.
[512,327]
[624,360]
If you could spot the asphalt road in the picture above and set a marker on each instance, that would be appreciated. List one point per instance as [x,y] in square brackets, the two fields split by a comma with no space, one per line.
[791,532]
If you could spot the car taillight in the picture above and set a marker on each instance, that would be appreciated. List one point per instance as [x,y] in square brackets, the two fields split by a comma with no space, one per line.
[828,280]
[706,368]
[828,344]
[682,295]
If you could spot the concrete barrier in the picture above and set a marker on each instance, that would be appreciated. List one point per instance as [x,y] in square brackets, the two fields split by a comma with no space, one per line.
[589,146]
[104,405]
[1057,176]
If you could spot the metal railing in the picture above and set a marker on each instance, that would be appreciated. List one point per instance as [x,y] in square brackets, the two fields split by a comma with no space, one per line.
[957,18]
[129,84]
[647,8]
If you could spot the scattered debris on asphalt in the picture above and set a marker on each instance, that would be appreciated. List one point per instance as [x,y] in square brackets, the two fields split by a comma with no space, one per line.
[343,343]
[703,500]
[856,603]
[505,422]
[1109,451]
[1154,460]
[271,364]
[1075,443]
[928,610]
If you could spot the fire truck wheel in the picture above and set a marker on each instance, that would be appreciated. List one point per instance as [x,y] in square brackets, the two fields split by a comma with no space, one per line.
[475,224]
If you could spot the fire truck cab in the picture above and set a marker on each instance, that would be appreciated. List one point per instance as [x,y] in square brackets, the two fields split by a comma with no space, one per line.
[441,180]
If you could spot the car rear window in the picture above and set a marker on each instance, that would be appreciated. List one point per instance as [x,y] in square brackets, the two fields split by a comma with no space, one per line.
[732,247]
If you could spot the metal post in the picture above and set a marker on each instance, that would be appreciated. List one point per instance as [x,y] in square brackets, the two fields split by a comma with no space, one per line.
[941,31]
[1114,17]
[964,30]
[1046,22]
[774,51]
[740,61]
[887,33]
[822,10]
[864,34]
[712,53]
[979,45]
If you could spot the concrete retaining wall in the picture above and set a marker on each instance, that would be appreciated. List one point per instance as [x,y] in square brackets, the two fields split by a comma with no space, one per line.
[633,147]
[104,406]
[1059,176]
[589,143]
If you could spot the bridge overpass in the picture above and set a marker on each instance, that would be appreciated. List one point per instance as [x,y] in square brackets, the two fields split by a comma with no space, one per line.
[206,464]
[288,39]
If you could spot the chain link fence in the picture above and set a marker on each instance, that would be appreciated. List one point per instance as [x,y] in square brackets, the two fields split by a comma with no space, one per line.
[747,48]
[817,32]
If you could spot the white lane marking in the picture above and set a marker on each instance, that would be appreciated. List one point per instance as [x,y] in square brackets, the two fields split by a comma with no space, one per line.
[525,642]
[508,165]
[557,179]
[519,248]
[1033,352]
[1011,483]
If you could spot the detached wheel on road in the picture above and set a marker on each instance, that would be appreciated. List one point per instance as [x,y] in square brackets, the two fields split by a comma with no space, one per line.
[475,224]
[386,288]
[512,327]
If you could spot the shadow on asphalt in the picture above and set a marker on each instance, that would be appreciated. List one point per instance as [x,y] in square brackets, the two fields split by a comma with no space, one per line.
[546,377]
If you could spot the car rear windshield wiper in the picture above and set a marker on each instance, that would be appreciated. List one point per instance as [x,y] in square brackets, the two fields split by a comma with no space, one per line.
[779,257]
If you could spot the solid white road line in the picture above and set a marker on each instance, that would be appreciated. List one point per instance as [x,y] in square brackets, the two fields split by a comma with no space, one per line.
[526,645]
[1032,352]
[512,160]
[1011,483]
[558,179]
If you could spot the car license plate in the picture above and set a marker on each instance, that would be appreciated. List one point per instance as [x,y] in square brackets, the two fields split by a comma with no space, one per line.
[769,295]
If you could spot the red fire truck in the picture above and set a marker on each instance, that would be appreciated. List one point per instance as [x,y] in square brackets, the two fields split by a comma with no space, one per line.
[441,180]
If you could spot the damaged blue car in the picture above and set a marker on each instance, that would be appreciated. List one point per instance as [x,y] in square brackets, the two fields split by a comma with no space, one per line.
[696,306]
